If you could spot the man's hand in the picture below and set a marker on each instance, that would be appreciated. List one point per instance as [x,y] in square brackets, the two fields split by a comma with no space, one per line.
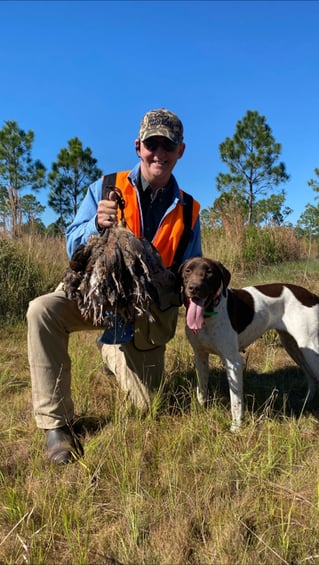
[107,211]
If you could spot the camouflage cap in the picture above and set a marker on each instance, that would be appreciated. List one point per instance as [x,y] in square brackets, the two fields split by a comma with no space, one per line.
[161,122]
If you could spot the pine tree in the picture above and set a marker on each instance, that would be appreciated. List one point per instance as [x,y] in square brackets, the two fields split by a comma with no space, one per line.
[251,156]
[69,178]
[17,171]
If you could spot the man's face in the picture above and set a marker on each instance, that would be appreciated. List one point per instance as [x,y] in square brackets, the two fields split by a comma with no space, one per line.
[158,158]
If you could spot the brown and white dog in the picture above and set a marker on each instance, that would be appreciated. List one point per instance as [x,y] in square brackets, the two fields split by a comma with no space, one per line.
[225,321]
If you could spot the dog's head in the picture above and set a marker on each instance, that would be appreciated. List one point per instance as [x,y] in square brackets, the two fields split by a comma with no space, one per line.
[202,277]
[203,281]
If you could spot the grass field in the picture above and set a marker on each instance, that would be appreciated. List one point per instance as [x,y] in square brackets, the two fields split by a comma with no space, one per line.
[175,487]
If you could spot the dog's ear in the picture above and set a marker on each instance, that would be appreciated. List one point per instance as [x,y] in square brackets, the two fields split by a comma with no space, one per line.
[225,274]
[179,278]
[179,272]
[181,267]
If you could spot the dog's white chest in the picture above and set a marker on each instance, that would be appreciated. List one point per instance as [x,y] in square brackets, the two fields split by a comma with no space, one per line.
[216,336]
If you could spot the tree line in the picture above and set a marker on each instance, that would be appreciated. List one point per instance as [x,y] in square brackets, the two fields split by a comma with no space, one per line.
[251,188]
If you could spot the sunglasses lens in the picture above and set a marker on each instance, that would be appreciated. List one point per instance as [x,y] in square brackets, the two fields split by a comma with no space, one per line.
[169,145]
[150,144]
[153,144]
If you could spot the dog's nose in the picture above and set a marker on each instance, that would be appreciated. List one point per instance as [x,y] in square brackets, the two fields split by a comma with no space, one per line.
[193,288]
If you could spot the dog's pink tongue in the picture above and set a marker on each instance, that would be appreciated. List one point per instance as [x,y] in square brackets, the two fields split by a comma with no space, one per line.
[195,316]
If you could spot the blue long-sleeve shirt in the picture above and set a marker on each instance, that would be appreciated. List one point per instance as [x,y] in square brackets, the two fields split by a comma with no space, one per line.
[84,224]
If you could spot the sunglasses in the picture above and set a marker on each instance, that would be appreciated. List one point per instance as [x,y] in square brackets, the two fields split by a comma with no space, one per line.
[152,144]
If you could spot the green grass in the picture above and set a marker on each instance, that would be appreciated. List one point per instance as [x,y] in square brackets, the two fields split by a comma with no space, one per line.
[175,487]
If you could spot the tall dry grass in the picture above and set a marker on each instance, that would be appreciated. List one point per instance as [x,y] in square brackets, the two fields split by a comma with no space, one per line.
[29,266]
[246,249]
[175,487]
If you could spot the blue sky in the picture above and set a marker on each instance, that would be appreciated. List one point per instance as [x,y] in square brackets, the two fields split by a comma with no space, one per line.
[92,69]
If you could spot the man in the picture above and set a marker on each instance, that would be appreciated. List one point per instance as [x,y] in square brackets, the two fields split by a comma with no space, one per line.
[156,208]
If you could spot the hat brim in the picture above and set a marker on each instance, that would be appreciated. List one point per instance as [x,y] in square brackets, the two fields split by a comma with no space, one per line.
[160,131]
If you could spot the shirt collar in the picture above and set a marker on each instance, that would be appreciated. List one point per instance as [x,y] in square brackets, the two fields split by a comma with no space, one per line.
[145,186]
[135,176]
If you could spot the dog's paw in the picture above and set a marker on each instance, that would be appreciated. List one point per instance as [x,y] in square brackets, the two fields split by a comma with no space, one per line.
[235,427]
[202,397]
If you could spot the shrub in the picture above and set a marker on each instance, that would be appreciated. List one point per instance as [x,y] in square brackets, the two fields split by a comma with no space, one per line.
[251,248]
[268,246]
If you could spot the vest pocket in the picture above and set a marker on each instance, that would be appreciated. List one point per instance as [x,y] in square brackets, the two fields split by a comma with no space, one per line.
[149,335]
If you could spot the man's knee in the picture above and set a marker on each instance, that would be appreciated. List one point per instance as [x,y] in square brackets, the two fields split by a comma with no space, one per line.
[137,372]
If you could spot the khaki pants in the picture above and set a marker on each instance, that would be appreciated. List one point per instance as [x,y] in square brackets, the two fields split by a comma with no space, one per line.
[51,318]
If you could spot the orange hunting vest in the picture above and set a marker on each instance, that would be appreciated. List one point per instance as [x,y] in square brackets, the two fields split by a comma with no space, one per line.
[172,230]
